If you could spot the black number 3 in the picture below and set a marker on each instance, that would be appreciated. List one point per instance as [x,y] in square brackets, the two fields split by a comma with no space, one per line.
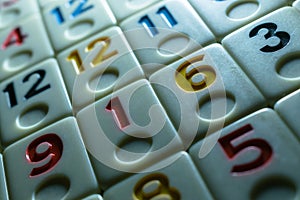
[283,36]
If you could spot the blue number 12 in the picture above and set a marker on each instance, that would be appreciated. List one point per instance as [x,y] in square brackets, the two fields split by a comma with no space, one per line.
[81,8]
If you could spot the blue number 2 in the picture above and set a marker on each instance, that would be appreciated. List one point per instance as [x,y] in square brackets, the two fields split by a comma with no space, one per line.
[165,15]
[81,8]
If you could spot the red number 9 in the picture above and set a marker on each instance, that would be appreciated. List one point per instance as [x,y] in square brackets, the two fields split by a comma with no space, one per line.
[54,151]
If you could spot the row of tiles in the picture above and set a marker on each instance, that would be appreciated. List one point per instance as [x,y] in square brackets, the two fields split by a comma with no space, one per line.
[257,154]
[160,27]
[21,50]
[87,57]
[190,88]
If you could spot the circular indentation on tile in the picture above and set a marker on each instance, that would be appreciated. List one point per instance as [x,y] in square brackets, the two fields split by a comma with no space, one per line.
[104,81]
[173,45]
[18,60]
[79,29]
[289,66]
[55,188]
[33,115]
[242,9]
[216,100]
[8,16]
[133,149]
[274,188]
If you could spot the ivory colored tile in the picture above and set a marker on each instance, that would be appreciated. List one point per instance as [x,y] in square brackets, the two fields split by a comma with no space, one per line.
[158,35]
[68,22]
[268,51]
[52,163]
[3,185]
[16,10]
[98,66]
[178,180]
[125,8]
[296,4]
[225,16]
[126,132]
[22,45]
[205,91]
[287,109]
[254,158]
[31,100]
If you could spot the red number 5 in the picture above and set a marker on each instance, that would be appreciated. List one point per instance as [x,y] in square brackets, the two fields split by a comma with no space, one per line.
[232,151]
[54,151]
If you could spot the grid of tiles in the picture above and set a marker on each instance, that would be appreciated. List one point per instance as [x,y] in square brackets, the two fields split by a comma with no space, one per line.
[170,99]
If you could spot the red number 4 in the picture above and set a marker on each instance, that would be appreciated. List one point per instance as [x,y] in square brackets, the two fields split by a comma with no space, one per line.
[8,3]
[14,37]
[232,151]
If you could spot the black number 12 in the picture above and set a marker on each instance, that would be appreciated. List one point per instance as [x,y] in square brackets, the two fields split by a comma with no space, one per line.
[34,90]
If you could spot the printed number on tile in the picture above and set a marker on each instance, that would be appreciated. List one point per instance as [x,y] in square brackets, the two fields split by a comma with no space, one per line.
[37,88]
[101,55]
[81,6]
[162,189]
[165,14]
[15,37]
[256,144]
[271,28]
[193,78]
[44,152]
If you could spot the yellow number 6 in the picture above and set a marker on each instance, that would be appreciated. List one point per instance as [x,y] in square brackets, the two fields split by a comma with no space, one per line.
[194,79]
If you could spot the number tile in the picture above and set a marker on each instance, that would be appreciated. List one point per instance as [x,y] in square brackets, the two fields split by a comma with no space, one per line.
[162,33]
[3,185]
[225,16]
[16,10]
[50,164]
[93,197]
[268,51]
[46,3]
[130,132]
[97,66]
[296,4]
[31,100]
[125,8]
[178,180]
[23,45]
[69,22]
[254,158]
[287,109]
[203,91]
